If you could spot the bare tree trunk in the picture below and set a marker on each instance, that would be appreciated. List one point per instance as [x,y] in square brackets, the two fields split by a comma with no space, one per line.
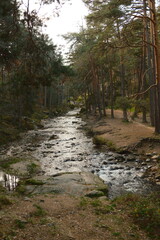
[155,43]
[122,73]
[103,96]
[45,96]
[144,65]
[96,87]
[150,63]
[111,93]
[86,102]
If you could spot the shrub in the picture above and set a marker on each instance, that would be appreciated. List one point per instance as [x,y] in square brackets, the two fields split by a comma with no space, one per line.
[4,201]
[32,168]
[100,141]
[123,103]
[33,182]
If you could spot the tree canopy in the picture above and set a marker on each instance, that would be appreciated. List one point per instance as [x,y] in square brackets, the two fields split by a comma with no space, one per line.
[117,57]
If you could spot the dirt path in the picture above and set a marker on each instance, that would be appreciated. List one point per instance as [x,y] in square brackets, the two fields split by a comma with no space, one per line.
[62,217]
[122,134]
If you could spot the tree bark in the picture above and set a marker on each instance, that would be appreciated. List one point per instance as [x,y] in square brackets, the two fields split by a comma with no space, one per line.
[96,87]
[111,93]
[103,96]
[150,64]
[154,36]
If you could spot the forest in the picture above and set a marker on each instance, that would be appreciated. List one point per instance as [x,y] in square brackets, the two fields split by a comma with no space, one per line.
[32,70]
[79,135]
[116,58]
[113,62]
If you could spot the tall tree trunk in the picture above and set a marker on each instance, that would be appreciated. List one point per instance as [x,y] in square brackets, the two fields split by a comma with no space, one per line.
[155,43]
[144,80]
[86,102]
[111,93]
[45,96]
[103,96]
[122,75]
[89,103]
[96,87]
[150,65]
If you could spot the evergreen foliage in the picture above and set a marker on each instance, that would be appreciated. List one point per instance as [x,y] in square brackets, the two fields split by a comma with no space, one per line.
[116,57]
[32,72]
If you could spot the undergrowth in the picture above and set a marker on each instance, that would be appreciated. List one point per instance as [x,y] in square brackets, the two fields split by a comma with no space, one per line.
[101,141]
[9,161]
[144,211]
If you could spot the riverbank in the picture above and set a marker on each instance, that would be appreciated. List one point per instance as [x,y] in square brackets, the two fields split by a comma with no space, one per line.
[12,129]
[133,136]
[64,217]
[123,135]
[50,204]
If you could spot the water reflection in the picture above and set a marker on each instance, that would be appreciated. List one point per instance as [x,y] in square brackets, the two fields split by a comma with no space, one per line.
[8,181]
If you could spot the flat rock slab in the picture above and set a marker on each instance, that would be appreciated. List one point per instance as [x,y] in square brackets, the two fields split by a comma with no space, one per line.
[76,184]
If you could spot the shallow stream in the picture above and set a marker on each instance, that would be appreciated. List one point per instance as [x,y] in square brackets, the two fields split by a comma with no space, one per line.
[63,146]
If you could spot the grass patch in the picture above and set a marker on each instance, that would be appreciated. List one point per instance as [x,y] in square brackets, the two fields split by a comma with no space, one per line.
[116,234]
[144,211]
[19,223]
[33,182]
[21,188]
[147,215]
[104,190]
[38,212]
[4,201]
[6,164]
[99,207]
[106,209]
[100,141]
[96,203]
[32,168]
[84,202]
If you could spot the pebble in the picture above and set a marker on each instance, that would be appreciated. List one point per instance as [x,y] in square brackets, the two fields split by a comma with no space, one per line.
[149,154]
[154,169]
[137,160]
[130,158]
[148,160]
[155,157]
[104,163]
[128,168]
[110,153]
[110,158]
[157,177]
[27,199]
[143,164]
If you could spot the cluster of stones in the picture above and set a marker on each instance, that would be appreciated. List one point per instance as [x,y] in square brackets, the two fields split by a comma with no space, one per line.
[153,172]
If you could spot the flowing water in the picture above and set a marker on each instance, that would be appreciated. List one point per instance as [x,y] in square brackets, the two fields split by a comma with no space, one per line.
[63,146]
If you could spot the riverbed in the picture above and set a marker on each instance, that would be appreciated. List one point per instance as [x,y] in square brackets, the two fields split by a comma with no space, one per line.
[63,146]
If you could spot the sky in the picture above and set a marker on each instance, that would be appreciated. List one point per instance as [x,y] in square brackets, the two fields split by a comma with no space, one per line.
[71,17]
